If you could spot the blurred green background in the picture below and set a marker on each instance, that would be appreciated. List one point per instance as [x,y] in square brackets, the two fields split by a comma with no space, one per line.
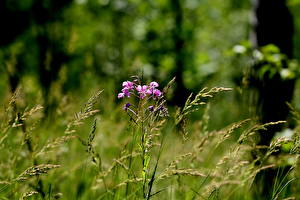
[53,48]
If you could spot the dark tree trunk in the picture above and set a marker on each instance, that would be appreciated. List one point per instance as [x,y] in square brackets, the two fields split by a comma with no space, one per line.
[51,58]
[179,50]
[52,53]
[273,24]
[15,21]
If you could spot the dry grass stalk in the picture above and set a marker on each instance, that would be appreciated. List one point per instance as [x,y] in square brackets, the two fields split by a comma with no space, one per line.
[35,171]
[253,130]
[85,112]
[29,194]
[124,183]
[116,162]
[54,144]
[193,104]
[182,172]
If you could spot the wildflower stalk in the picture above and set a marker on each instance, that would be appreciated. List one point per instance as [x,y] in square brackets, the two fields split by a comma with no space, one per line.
[144,156]
[130,160]
[143,116]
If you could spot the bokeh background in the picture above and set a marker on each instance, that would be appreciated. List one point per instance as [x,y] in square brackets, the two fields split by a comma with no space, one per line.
[52,48]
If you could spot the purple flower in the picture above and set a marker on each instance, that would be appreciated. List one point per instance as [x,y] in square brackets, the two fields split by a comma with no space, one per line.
[151,108]
[121,95]
[128,85]
[153,84]
[126,106]
[126,92]
[149,91]
[142,90]
[153,91]
[163,111]
[157,93]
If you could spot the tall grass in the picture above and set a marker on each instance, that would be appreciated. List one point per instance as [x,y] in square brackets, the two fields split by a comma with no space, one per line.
[147,150]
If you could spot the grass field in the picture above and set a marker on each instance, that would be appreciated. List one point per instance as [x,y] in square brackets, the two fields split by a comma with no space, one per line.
[99,148]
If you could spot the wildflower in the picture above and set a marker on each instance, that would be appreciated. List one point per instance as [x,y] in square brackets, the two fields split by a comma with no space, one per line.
[154,92]
[163,111]
[126,92]
[142,90]
[126,106]
[157,93]
[128,85]
[151,108]
[153,84]
[121,95]
[152,89]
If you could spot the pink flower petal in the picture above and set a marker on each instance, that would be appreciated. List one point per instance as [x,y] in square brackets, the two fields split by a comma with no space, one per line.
[121,95]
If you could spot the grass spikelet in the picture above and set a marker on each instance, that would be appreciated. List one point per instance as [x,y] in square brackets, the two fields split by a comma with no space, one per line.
[226,183]
[290,198]
[30,112]
[296,147]
[294,113]
[276,144]
[29,194]
[172,166]
[91,137]
[117,162]
[85,112]
[54,144]
[256,171]
[182,172]
[35,171]
[178,160]
[4,182]
[193,104]
[20,118]
[88,107]
[225,133]
[8,114]
[169,85]
[14,97]
[124,183]
[254,129]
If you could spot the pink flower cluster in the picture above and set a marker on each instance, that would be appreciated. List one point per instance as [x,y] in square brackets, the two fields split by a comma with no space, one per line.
[127,88]
[142,90]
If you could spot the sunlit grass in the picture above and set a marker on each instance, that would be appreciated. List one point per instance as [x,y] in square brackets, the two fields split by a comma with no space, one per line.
[97,151]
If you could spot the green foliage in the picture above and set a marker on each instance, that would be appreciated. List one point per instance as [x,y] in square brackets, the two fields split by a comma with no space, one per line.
[270,61]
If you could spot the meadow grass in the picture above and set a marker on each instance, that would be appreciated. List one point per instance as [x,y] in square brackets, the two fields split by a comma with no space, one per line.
[98,150]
